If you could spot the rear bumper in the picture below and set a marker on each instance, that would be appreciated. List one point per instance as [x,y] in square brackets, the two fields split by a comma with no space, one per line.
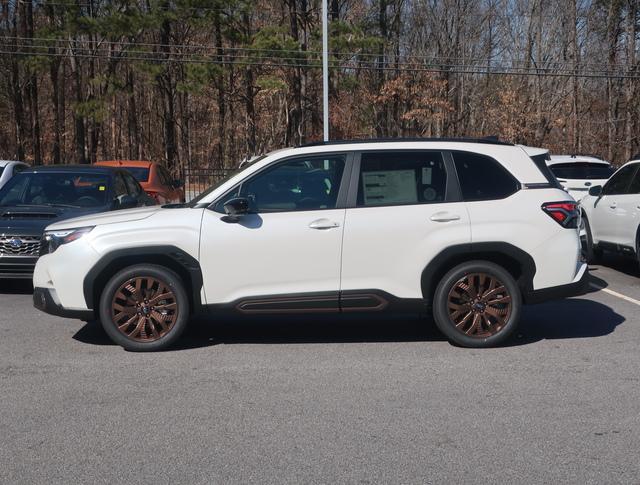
[578,286]
[20,267]
[44,300]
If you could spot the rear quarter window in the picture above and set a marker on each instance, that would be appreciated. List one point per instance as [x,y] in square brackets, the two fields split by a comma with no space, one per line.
[483,178]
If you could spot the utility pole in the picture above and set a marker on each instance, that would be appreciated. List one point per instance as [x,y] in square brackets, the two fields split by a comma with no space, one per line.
[325,71]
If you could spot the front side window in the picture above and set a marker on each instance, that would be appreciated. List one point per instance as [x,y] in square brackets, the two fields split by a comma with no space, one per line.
[132,185]
[619,183]
[483,178]
[399,178]
[634,188]
[305,183]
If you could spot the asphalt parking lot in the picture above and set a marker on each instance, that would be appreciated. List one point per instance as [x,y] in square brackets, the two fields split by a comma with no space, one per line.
[365,399]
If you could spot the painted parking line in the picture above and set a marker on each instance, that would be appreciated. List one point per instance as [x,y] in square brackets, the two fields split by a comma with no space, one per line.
[616,294]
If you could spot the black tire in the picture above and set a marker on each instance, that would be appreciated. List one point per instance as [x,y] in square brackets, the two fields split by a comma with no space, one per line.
[591,252]
[165,319]
[496,321]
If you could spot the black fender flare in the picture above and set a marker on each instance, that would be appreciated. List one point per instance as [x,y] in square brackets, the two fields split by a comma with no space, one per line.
[173,257]
[498,252]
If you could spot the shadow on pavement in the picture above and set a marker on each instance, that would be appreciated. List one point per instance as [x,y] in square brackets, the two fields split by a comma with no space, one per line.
[16,287]
[564,319]
[623,264]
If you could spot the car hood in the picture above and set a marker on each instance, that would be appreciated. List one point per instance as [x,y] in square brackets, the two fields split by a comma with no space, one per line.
[125,215]
[32,219]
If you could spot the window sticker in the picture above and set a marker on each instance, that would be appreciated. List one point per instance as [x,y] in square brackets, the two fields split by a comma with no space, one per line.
[102,188]
[426,175]
[389,187]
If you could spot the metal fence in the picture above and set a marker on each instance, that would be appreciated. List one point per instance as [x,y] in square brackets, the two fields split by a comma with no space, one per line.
[196,179]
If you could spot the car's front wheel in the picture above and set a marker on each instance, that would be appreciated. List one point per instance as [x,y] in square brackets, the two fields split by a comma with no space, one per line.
[477,304]
[144,308]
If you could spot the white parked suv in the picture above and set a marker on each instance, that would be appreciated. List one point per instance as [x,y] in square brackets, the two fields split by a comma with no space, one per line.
[469,230]
[612,213]
[578,173]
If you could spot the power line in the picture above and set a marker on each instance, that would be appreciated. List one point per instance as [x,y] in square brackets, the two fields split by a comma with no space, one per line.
[42,42]
[363,65]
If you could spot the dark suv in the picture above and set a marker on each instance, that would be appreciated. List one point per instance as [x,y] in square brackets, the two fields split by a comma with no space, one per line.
[39,196]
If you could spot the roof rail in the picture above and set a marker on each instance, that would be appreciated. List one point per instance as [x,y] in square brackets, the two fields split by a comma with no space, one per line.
[489,140]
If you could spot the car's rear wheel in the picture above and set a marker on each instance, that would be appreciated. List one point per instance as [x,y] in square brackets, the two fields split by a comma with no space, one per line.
[477,304]
[144,308]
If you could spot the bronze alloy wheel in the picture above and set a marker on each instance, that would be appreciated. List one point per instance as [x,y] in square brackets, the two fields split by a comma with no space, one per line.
[144,308]
[479,305]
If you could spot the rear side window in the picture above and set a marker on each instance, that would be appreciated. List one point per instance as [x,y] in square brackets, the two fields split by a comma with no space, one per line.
[398,178]
[483,178]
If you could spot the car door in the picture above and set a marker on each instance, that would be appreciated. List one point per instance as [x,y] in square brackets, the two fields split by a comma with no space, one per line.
[404,208]
[605,214]
[628,213]
[285,254]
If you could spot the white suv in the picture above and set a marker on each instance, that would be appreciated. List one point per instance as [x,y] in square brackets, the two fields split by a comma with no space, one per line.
[612,213]
[578,173]
[467,229]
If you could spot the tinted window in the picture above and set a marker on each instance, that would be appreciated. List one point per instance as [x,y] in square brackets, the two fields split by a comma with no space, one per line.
[396,178]
[1,170]
[141,174]
[482,178]
[634,188]
[61,188]
[582,170]
[619,183]
[132,186]
[119,186]
[298,184]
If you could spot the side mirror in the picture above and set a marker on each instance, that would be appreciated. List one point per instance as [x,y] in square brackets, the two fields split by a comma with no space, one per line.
[125,202]
[235,208]
[596,190]
[177,183]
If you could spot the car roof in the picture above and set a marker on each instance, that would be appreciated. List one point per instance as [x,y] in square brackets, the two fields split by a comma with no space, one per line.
[555,159]
[488,140]
[124,163]
[4,163]
[71,168]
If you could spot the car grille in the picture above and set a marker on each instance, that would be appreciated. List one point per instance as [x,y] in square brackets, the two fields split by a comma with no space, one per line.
[19,245]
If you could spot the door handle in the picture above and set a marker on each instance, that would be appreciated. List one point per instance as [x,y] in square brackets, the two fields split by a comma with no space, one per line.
[323,224]
[613,205]
[444,217]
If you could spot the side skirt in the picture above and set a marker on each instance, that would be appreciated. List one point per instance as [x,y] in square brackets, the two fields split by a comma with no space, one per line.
[324,302]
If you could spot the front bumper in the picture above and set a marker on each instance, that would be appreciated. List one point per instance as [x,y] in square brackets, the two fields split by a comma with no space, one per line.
[44,299]
[578,286]
[17,267]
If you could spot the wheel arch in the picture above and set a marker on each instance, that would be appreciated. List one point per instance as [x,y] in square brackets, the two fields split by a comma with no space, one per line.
[171,257]
[513,259]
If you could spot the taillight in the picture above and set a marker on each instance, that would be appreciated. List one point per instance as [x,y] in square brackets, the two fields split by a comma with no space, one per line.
[566,213]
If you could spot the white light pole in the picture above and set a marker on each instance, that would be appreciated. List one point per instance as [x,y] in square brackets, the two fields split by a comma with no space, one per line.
[325,71]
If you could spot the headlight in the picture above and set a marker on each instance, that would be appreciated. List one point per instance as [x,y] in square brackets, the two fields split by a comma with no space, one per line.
[54,239]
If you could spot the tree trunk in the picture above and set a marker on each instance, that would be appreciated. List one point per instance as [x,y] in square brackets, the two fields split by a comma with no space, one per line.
[632,13]
[381,111]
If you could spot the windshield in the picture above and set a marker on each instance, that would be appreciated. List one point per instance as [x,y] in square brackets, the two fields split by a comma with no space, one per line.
[141,174]
[229,174]
[65,189]
[582,170]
